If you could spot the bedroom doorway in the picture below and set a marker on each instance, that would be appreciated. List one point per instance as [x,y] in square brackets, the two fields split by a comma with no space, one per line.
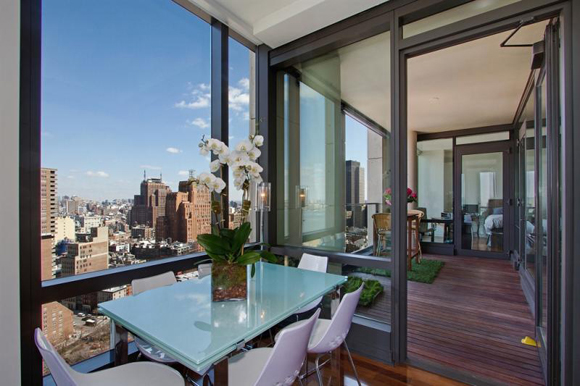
[483,199]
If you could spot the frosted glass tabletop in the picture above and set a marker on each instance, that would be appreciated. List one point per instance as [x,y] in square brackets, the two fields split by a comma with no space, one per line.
[182,320]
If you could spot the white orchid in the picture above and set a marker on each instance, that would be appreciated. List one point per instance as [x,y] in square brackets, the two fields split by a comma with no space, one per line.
[244,146]
[254,154]
[239,157]
[206,178]
[254,169]
[218,185]
[214,166]
[258,140]
[203,149]
[226,159]
[216,146]
[239,182]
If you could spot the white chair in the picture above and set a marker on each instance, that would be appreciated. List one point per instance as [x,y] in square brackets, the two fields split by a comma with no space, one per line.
[132,374]
[330,334]
[279,365]
[312,263]
[203,270]
[141,285]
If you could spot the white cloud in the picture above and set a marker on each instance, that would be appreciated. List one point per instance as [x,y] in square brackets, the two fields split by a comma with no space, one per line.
[183,173]
[173,150]
[99,173]
[200,122]
[201,98]
[244,83]
[70,177]
[150,167]
[238,99]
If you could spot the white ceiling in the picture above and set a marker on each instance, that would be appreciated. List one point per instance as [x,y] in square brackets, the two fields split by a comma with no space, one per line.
[474,84]
[277,22]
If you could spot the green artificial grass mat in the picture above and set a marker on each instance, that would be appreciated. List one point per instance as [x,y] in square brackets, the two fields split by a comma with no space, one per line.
[370,291]
[425,272]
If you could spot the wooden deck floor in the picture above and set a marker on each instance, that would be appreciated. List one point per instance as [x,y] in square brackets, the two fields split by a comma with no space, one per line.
[472,319]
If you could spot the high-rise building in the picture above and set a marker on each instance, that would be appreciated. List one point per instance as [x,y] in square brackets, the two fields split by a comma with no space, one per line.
[48,203]
[65,229]
[48,214]
[57,322]
[149,205]
[361,185]
[88,254]
[353,194]
[187,214]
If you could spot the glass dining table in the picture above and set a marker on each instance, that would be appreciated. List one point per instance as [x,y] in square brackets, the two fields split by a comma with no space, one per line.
[182,320]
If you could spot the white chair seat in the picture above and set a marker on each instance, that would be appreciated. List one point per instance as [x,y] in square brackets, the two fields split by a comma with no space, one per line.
[318,332]
[244,369]
[153,353]
[134,374]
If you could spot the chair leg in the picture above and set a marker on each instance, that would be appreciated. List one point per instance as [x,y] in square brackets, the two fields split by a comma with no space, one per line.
[351,362]
[318,370]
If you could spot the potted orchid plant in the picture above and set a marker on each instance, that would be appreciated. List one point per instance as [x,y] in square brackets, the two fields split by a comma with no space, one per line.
[226,246]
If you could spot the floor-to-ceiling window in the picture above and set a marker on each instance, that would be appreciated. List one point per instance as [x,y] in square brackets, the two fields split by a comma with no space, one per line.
[334,147]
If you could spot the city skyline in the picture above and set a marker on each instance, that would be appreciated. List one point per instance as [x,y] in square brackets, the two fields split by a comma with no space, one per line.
[101,141]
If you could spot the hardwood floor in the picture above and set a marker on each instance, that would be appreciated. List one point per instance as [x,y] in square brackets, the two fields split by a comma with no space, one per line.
[472,318]
[375,373]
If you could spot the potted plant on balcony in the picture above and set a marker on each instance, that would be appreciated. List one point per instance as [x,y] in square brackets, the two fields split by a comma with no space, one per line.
[411,196]
[226,246]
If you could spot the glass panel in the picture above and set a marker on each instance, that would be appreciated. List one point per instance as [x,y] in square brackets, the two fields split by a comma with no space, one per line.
[482,202]
[242,119]
[462,12]
[333,153]
[75,328]
[435,190]
[343,170]
[542,233]
[501,136]
[530,202]
[124,102]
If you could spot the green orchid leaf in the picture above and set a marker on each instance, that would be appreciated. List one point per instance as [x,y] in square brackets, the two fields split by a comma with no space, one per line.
[269,256]
[228,233]
[242,234]
[217,258]
[253,270]
[214,244]
[248,258]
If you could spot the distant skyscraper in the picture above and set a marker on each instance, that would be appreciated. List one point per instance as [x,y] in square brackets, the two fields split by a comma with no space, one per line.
[187,214]
[48,202]
[48,214]
[150,204]
[361,185]
[353,193]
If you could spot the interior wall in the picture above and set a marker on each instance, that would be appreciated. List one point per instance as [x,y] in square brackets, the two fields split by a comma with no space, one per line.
[9,259]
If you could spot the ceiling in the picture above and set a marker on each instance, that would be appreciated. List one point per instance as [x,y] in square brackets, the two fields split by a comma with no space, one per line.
[474,84]
[277,22]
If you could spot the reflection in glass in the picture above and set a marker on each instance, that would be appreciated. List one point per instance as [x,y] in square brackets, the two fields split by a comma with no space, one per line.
[435,190]
[530,202]
[542,210]
[482,202]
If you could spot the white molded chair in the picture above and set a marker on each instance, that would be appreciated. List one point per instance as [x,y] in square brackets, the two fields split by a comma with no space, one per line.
[141,285]
[279,365]
[328,335]
[203,270]
[312,263]
[132,374]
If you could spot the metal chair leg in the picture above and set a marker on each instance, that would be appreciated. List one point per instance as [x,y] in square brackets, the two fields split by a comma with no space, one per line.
[351,362]
[318,370]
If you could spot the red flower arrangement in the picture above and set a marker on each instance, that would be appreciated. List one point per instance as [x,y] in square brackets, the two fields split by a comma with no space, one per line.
[411,196]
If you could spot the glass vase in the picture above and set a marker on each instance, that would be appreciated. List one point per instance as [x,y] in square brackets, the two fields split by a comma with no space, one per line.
[228,282]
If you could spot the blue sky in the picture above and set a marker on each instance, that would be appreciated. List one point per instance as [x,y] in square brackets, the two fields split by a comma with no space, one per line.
[122,94]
